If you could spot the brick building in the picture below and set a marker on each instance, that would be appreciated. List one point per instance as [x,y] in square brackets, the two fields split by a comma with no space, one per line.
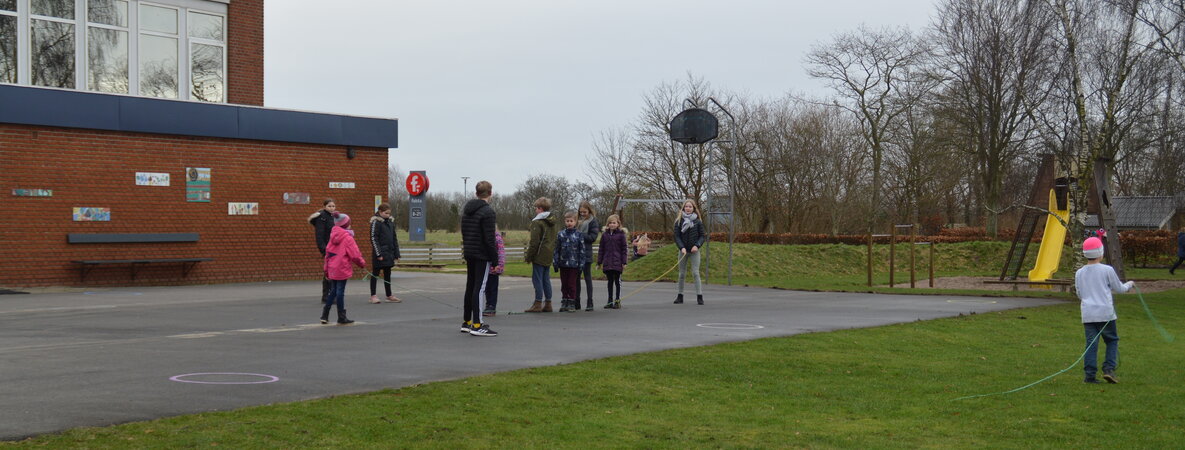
[136,130]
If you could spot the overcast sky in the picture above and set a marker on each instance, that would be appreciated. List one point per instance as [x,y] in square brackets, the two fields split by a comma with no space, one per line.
[503,90]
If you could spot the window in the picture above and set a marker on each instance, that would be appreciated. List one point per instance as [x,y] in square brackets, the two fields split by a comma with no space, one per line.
[52,43]
[207,56]
[107,46]
[8,41]
[158,51]
[158,48]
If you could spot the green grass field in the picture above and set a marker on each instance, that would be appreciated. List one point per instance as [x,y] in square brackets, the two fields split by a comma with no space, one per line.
[885,387]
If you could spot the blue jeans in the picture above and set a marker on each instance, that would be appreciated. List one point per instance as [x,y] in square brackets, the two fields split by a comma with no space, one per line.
[337,295]
[542,282]
[1110,336]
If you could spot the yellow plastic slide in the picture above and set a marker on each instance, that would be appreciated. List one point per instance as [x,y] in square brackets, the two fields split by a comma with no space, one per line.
[1052,241]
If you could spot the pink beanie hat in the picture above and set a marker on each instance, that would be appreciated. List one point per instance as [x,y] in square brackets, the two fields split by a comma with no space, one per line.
[1092,248]
[342,221]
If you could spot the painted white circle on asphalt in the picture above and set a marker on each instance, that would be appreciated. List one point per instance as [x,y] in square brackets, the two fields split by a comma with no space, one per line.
[247,378]
[972,301]
[730,326]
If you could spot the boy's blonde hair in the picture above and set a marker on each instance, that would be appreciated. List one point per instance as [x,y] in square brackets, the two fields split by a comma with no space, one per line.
[543,203]
[571,215]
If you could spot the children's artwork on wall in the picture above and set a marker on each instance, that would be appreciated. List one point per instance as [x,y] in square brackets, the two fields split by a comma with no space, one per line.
[152,179]
[242,209]
[91,214]
[197,184]
[341,185]
[296,198]
[32,192]
[377,200]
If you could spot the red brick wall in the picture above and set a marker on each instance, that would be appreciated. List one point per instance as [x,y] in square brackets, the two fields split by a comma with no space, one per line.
[97,169]
[244,57]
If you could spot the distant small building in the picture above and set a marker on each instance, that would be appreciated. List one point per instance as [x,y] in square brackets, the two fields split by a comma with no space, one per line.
[1145,213]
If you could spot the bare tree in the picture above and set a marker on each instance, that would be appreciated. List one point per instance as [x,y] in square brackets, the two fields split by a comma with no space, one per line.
[663,167]
[994,57]
[868,70]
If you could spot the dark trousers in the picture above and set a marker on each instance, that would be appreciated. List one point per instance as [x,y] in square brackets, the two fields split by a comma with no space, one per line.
[570,283]
[325,287]
[476,274]
[374,279]
[1176,264]
[586,273]
[614,277]
[492,292]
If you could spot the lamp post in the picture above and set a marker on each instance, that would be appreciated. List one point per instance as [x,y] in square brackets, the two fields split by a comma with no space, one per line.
[466,188]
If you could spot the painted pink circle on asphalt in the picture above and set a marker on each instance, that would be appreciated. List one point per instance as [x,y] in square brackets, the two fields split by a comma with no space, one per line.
[183,378]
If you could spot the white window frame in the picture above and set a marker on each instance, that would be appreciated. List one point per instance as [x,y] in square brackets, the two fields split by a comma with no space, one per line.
[190,41]
[82,25]
[130,29]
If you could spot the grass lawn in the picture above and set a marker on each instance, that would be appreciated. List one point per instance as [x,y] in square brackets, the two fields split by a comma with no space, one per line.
[884,387]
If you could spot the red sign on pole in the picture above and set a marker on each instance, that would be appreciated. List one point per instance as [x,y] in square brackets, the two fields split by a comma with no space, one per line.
[417,184]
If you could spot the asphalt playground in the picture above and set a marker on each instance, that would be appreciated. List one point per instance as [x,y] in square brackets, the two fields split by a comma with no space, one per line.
[77,357]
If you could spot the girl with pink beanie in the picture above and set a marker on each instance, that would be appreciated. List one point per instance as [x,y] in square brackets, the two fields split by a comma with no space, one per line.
[340,254]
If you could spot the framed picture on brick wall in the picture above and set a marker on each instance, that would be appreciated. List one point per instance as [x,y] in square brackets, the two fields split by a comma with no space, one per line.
[197,184]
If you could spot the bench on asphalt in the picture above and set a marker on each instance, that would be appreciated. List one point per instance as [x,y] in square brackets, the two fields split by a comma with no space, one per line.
[86,265]
[1061,284]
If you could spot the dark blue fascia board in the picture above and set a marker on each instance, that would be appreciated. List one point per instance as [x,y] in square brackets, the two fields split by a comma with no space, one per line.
[77,109]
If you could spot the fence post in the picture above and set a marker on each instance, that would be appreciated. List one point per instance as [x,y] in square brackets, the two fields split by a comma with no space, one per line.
[870,258]
[931,262]
[429,255]
[892,253]
[913,237]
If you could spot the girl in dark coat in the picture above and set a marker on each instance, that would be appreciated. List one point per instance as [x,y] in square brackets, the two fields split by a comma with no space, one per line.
[689,237]
[612,258]
[587,224]
[322,222]
[385,246]
[1180,250]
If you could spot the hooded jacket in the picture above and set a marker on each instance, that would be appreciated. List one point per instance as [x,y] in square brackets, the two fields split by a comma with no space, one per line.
[542,242]
[612,253]
[591,229]
[569,249]
[383,241]
[477,231]
[322,222]
[340,253]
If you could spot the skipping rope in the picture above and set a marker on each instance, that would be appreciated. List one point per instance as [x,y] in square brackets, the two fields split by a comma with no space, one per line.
[411,291]
[1163,333]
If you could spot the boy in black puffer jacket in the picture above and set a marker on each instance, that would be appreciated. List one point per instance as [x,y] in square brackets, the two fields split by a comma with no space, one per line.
[479,250]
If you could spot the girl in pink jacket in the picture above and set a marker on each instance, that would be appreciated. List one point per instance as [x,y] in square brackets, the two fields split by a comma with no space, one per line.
[341,254]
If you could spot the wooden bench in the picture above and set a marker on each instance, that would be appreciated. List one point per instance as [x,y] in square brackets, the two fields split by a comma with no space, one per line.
[1062,284]
[124,238]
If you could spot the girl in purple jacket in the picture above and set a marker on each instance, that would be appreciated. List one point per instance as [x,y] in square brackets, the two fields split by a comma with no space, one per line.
[611,258]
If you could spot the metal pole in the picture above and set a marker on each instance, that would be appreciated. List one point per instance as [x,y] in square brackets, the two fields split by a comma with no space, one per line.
[732,217]
[708,219]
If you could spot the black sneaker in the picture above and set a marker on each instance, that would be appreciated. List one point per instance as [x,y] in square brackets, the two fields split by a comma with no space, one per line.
[465,327]
[1110,377]
[489,313]
[483,330]
[344,321]
[609,305]
[1091,381]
